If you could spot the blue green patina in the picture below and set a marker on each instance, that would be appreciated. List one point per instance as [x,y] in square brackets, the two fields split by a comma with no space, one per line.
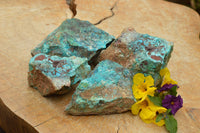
[107,89]
[74,37]
[60,71]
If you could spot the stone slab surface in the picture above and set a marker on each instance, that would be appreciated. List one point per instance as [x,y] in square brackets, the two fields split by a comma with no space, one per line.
[25,24]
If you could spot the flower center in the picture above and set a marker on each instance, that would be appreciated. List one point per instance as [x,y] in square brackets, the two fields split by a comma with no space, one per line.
[143,88]
[145,103]
[172,103]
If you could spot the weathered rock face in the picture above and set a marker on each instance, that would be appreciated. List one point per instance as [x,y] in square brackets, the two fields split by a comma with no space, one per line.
[74,37]
[56,75]
[107,89]
[139,53]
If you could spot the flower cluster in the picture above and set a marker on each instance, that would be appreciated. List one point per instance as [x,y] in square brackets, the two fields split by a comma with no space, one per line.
[156,104]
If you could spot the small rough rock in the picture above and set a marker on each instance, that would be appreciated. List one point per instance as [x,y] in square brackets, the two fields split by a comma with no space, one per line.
[54,74]
[74,37]
[106,90]
[139,53]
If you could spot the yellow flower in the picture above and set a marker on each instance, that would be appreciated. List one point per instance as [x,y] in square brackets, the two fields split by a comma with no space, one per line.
[142,86]
[165,74]
[147,111]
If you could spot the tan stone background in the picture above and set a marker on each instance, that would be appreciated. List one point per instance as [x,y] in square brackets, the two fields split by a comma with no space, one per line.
[24,24]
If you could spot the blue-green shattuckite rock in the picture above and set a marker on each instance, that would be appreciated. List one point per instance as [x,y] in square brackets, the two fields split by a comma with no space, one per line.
[74,37]
[141,53]
[107,89]
[54,74]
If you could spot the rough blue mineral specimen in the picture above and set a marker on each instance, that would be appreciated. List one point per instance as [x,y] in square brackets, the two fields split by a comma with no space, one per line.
[74,37]
[56,75]
[107,89]
[141,53]
[78,40]
[62,59]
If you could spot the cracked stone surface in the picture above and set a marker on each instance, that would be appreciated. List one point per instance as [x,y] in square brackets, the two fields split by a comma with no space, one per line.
[139,53]
[106,90]
[25,24]
[54,74]
[100,10]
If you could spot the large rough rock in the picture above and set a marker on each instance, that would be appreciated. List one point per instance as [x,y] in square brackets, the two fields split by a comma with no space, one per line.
[139,53]
[106,90]
[56,75]
[74,37]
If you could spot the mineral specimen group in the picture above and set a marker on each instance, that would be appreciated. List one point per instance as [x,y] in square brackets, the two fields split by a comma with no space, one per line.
[68,55]
[72,45]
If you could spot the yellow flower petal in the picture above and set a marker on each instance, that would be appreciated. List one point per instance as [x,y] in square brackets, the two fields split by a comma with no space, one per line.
[164,71]
[142,89]
[160,123]
[151,91]
[165,74]
[149,81]
[135,108]
[148,120]
[137,93]
[138,79]
[143,101]
[146,113]
[156,108]
[168,80]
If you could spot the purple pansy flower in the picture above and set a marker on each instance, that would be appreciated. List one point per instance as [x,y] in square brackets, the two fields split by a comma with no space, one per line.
[167,87]
[172,102]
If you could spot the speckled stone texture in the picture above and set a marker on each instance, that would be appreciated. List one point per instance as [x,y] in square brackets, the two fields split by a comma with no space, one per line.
[139,53]
[106,90]
[56,75]
[74,37]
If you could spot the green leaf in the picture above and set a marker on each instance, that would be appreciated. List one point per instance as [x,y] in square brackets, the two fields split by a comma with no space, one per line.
[171,124]
[159,117]
[156,100]
[168,111]
[173,90]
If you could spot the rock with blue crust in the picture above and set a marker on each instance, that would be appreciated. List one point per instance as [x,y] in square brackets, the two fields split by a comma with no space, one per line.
[74,37]
[56,75]
[141,53]
[106,90]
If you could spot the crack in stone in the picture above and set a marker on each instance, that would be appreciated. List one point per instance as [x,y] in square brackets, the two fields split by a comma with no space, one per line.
[72,7]
[113,13]
[118,128]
